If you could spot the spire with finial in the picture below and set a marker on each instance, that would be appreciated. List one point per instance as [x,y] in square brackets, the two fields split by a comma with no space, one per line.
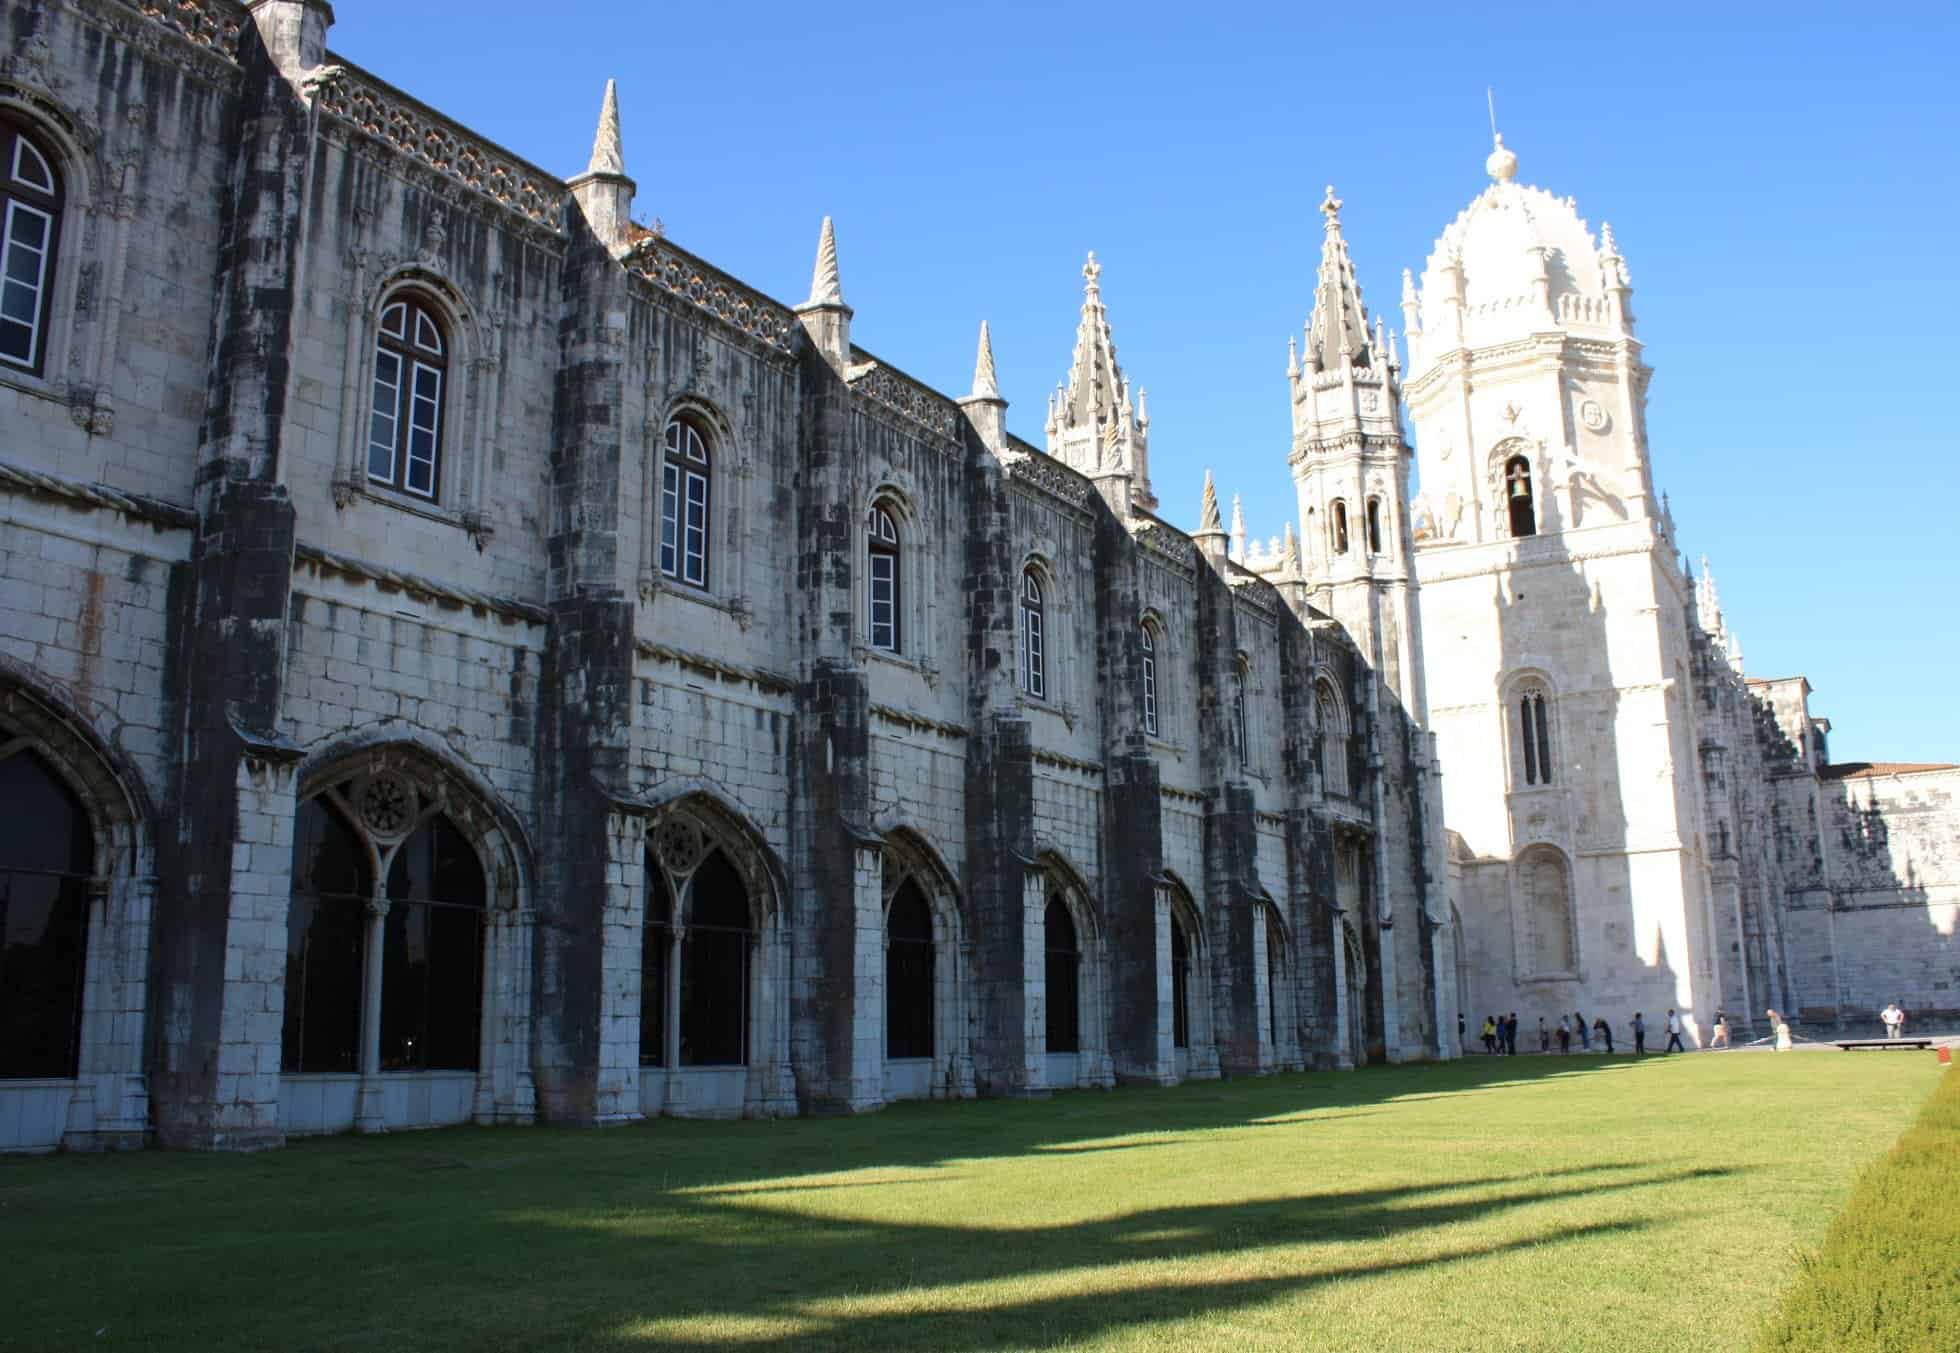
[1208,522]
[984,384]
[826,287]
[1292,358]
[1289,553]
[608,151]
[1098,429]
[1502,163]
[1238,529]
[1338,329]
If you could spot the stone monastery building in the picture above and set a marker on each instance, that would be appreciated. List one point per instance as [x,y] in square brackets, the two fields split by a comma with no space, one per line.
[465,658]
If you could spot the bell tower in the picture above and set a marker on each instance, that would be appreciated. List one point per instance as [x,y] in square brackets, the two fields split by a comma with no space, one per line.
[1351,471]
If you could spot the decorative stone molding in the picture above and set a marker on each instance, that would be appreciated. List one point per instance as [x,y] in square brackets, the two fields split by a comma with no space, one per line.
[1168,543]
[422,137]
[210,24]
[155,510]
[418,586]
[760,678]
[674,272]
[906,719]
[1062,762]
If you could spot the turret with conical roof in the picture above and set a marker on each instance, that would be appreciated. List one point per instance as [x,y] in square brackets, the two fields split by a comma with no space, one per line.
[825,317]
[1097,428]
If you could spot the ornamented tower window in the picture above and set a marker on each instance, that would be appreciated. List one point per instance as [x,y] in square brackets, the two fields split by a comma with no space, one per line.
[1517,496]
[883,579]
[684,485]
[1241,732]
[1333,738]
[411,366]
[1534,736]
[30,199]
[1034,672]
[1340,525]
[1149,679]
[1374,526]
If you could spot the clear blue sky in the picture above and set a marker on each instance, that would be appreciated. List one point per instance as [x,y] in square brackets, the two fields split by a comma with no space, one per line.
[1784,182]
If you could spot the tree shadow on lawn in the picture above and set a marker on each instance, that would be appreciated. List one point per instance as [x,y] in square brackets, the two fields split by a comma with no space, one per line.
[800,1269]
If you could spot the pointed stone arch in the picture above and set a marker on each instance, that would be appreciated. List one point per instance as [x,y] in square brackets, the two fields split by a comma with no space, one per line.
[911,860]
[1187,951]
[104,1102]
[1089,1062]
[387,787]
[691,827]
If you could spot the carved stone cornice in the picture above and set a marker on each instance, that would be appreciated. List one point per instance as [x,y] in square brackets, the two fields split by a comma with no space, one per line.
[761,678]
[154,510]
[672,271]
[911,401]
[906,719]
[1168,544]
[1049,476]
[417,137]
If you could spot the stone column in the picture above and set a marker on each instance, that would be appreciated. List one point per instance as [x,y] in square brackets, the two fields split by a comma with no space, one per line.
[370,1114]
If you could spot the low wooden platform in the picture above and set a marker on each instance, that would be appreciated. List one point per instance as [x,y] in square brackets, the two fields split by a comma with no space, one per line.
[1853,1044]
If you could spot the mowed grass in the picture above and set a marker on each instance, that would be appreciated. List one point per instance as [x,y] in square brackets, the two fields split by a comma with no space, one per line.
[1526,1203]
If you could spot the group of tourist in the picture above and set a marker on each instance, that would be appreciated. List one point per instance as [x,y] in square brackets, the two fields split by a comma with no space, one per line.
[1500,1032]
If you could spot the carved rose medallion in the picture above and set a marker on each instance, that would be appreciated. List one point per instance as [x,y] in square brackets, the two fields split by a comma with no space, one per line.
[679,845]
[1593,416]
[387,805]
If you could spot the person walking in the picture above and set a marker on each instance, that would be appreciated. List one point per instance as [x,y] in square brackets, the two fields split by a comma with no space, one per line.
[1460,1030]
[1511,1035]
[1673,1032]
[1720,1038]
[1490,1034]
[1544,1036]
[1639,1035]
[1564,1035]
[1894,1020]
[1605,1031]
[1585,1036]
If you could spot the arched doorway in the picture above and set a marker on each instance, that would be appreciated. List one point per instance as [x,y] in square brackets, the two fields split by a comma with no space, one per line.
[1355,968]
[926,1052]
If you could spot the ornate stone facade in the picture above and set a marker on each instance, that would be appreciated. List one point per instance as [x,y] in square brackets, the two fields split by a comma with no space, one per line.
[463,657]
[492,665]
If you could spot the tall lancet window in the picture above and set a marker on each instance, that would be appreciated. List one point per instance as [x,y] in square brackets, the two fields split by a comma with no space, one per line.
[1517,496]
[882,533]
[1374,526]
[1340,525]
[1534,738]
[684,504]
[1034,669]
[1241,731]
[30,221]
[1149,679]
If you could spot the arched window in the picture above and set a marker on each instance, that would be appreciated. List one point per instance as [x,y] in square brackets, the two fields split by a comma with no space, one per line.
[1517,495]
[1338,517]
[1034,669]
[1374,526]
[1547,896]
[428,922]
[684,484]
[1333,738]
[882,578]
[1148,634]
[1064,977]
[30,200]
[908,974]
[656,950]
[1534,736]
[1241,732]
[715,952]
[411,367]
[47,853]
[1180,984]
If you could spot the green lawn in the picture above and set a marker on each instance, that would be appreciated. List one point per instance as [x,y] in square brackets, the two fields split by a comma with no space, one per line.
[1528,1203]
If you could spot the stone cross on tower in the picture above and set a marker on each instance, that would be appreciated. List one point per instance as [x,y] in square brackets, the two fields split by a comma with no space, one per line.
[1096,427]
